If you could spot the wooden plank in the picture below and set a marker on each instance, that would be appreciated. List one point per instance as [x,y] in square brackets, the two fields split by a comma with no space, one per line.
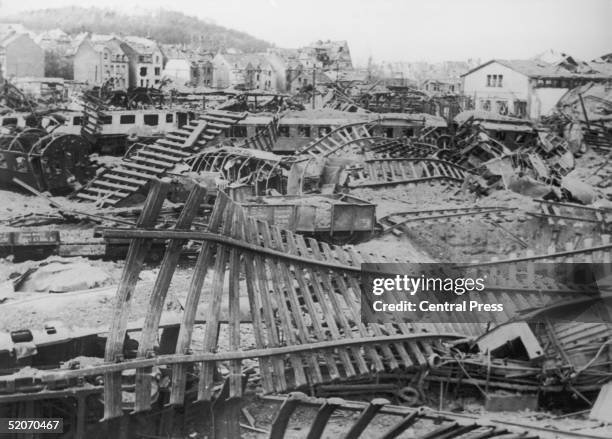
[133,265]
[123,187]
[141,175]
[179,371]
[157,155]
[146,160]
[211,332]
[135,181]
[157,299]
[152,169]
[235,376]
[269,380]
[166,150]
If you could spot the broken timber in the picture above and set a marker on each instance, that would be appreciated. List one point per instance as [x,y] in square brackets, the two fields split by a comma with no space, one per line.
[154,160]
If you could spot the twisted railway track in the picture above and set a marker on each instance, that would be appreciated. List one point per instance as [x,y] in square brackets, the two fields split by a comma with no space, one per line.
[564,214]
[391,172]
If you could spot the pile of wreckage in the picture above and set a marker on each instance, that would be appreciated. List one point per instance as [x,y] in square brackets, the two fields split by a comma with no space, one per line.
[583,116]
[267,233]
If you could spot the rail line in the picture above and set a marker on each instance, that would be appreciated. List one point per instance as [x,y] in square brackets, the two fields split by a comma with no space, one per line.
[391,172]
[560,214]
[395,221]
[434,424]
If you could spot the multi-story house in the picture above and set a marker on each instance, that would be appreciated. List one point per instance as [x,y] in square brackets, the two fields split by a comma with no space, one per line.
[146,61]
[101,59]
[331,54]
[231,71]
[526,88]
[20,56]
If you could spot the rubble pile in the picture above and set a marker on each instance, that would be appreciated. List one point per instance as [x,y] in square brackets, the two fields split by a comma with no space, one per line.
[226,236]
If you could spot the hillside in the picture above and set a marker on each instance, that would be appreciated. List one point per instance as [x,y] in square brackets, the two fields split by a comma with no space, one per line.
[169,27]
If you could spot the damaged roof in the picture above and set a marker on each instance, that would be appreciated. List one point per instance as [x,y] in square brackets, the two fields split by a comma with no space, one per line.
[534,68]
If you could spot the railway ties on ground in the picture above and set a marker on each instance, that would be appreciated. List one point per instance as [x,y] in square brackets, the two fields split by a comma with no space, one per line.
[154,160]
[431,424]
[394,222]
[391,172]
[564,214]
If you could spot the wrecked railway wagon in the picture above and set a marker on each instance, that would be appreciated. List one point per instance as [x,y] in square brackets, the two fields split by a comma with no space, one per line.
[57,163]
[332,215]
[296,129]
[110,130]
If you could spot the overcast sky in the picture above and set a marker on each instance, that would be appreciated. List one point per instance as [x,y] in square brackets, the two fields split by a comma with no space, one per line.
[399,30]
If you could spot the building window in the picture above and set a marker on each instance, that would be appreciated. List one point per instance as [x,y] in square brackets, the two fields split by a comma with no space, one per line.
[77,120]
[502,107]
[156,59]
[283,131]
[485,105]
[500,79]
[157,71]
[303,131]
[239,131]
[151,119]
[106,120]
[169,118]
[127,119]
[488,80]
[143,71]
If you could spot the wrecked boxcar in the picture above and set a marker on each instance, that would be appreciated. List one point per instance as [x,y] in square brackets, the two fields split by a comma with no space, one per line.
[329,215]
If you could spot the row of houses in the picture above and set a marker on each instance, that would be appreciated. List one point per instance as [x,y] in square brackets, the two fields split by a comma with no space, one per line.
[129,61]
[97,59]
[276,70]
[120,62]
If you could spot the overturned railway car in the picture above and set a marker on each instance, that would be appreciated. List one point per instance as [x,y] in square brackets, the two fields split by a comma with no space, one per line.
[57,163]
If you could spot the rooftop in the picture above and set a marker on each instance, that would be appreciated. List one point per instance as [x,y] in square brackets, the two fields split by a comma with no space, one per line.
[536,68]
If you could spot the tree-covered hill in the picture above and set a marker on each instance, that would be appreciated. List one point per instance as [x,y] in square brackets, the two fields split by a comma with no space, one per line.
[168,27]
